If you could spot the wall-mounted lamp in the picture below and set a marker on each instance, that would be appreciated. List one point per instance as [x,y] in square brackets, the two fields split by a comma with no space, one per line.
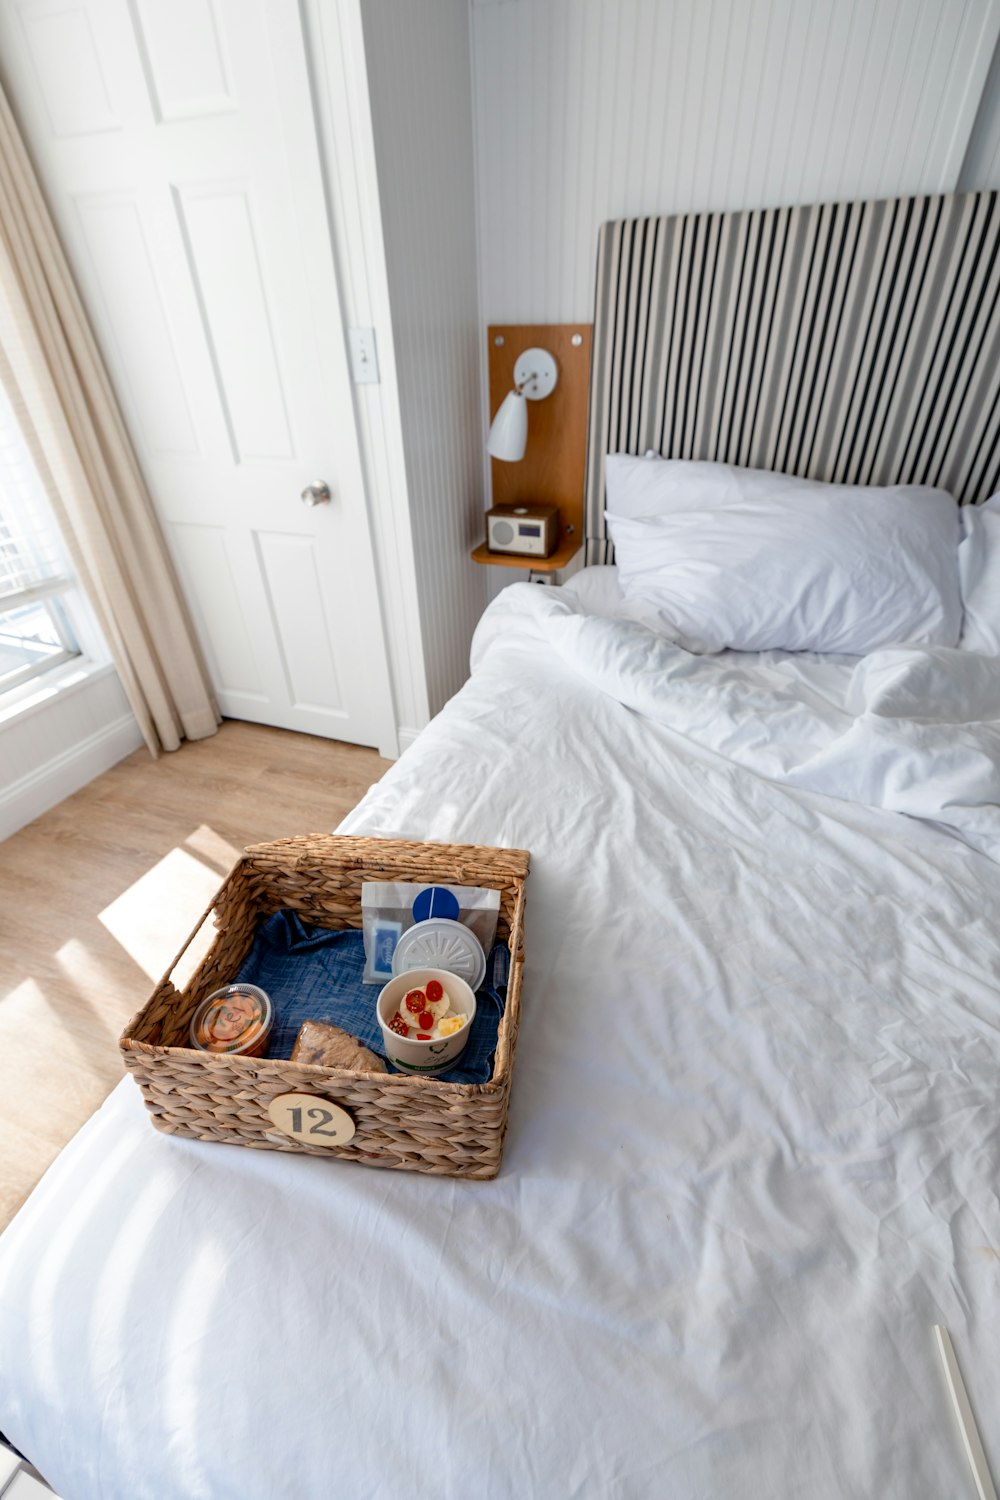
[535,376]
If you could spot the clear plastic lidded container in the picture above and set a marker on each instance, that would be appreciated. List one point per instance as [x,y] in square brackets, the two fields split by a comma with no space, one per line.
[233,1020]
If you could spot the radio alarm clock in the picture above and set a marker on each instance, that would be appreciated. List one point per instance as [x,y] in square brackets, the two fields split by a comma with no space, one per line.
[528,530]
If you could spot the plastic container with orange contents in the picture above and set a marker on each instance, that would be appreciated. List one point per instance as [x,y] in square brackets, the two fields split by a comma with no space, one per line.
[236,1019]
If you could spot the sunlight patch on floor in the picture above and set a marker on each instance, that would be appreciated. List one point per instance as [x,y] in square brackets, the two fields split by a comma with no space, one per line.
[154,916]
[213,848]
[19,1003]
[91,978]
[72,1047]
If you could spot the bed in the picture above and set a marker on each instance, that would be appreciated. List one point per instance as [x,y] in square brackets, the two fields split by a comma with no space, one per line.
[753,1145]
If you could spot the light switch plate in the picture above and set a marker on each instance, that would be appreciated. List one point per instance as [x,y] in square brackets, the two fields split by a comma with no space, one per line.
[364,356]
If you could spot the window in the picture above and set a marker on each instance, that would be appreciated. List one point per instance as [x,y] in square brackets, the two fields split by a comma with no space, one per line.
[36,633]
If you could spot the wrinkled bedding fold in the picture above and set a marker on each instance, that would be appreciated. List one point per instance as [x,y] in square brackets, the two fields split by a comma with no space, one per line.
[914,730]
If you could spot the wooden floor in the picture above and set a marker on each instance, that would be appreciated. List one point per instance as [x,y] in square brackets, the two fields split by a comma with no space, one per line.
[97,896]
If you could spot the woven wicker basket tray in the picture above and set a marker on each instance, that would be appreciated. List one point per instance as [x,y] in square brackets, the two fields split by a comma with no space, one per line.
[412,1123]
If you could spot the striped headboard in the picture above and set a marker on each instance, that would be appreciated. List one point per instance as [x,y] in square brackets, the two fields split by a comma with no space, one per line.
[853,342]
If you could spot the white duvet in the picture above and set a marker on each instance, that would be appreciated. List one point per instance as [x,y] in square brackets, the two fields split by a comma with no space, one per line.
[912,729]
[754,1144]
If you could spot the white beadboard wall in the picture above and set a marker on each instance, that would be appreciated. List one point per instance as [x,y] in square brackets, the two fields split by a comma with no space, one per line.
[420,85]
[588,110]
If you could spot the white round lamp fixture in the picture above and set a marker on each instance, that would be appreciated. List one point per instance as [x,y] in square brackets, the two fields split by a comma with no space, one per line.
[535,377]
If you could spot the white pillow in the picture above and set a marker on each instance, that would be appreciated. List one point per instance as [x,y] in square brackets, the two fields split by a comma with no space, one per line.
[655,486]
[760,562]
[979,572]
[651,486]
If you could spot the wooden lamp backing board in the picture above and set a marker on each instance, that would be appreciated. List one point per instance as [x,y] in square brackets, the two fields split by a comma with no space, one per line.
[552,469]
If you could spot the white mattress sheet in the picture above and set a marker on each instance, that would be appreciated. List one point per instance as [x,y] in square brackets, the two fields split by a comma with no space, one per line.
[753,1156]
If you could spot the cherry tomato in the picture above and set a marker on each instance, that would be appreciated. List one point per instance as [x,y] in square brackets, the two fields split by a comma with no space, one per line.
[415,1002]
[399,1026]
[426,1019]
[435,990]
[423,1036]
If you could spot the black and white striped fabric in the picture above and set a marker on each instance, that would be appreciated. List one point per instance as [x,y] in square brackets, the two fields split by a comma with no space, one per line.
[853,342]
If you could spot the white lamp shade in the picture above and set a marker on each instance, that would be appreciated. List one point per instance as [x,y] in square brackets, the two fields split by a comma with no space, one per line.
[509,434]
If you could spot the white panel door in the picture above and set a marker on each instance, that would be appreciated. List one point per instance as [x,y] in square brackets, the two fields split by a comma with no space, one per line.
[177,145]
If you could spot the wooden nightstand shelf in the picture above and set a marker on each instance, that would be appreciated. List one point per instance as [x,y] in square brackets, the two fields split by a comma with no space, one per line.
[552,469]
[566,550]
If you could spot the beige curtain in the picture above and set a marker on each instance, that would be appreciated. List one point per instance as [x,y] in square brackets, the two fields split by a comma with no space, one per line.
[55,378]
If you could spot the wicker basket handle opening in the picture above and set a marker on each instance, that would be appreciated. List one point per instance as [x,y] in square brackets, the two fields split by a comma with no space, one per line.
[209,909]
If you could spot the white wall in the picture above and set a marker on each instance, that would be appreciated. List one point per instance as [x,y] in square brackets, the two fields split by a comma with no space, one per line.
[981,168]
[65,739]
[420,85]
[594,109]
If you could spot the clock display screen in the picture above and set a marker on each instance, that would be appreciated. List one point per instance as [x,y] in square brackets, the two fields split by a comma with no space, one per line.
[524,530]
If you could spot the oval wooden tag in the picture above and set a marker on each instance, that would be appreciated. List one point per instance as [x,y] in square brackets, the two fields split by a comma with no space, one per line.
[311,1119]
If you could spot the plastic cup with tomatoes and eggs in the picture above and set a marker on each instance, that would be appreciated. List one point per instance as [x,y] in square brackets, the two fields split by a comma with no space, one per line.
[425,1016]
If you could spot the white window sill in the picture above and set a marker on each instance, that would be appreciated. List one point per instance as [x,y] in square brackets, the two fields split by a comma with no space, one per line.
[38,694]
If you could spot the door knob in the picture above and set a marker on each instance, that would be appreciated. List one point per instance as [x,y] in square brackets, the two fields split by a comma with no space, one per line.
[317,493]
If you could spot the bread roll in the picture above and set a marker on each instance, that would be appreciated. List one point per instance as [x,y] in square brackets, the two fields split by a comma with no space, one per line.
[329,1047]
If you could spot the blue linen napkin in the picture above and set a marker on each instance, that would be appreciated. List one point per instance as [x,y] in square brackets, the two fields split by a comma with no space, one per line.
[315,974]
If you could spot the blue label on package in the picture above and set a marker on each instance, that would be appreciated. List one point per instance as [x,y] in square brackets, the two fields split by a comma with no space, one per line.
[386,936]
[435,901]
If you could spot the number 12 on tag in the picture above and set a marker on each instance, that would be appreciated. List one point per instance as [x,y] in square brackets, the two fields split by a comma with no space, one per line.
[311,1119]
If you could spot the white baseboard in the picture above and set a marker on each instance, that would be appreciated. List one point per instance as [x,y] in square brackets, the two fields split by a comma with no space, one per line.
[406,737]
[33,794]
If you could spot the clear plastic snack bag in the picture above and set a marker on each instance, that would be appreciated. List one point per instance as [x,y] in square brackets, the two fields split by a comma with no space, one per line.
[389,908]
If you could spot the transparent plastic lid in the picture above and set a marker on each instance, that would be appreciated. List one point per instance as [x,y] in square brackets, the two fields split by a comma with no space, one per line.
[440,943]
[237,1018]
